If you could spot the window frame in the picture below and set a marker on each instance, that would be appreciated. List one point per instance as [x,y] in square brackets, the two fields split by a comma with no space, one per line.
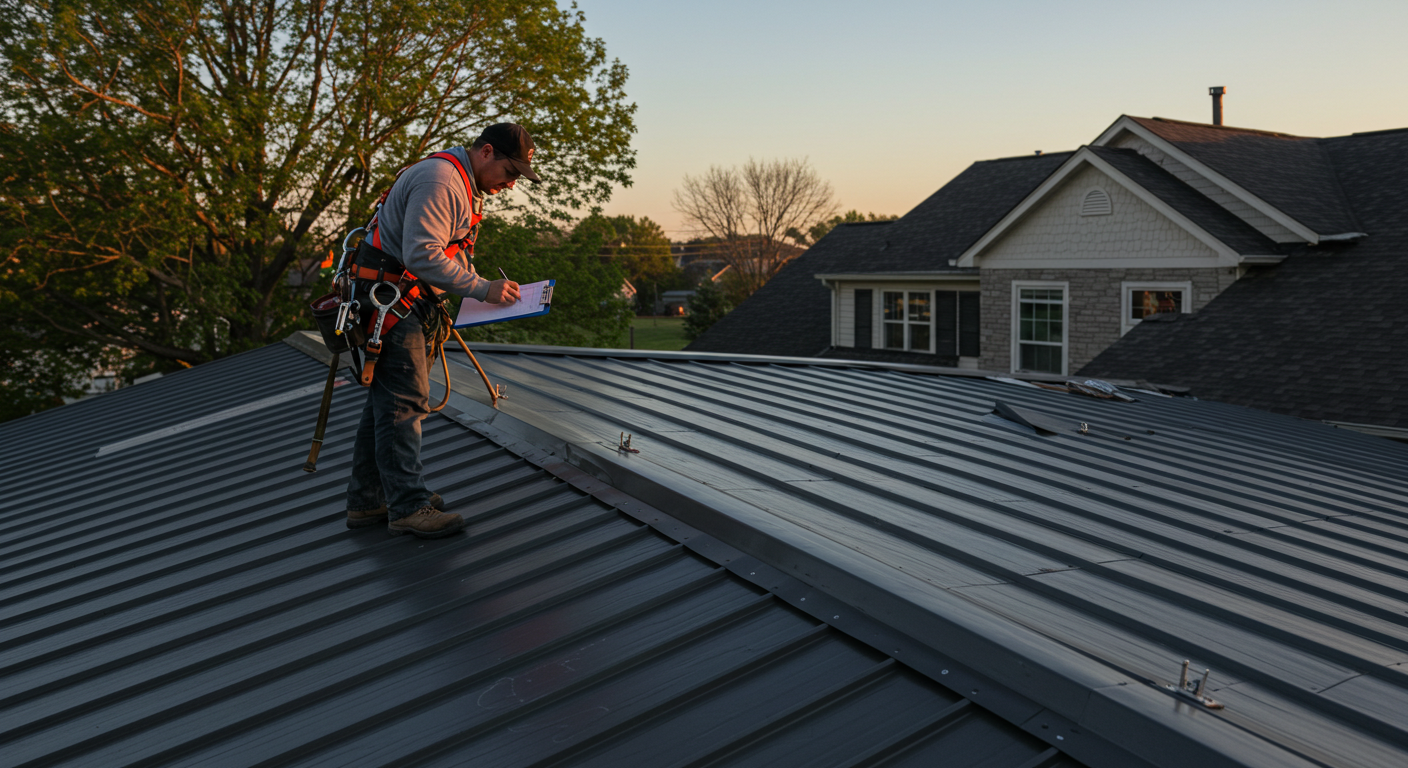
[1128,287]
[1016,322]
[904,321]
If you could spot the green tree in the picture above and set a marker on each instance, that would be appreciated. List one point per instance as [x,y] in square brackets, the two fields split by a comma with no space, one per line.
[587,310]
[37,372]
[704,308]
[642,251]
[167,162]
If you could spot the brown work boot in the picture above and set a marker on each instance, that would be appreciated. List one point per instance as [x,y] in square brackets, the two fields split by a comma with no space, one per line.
[366,517]
[427,523]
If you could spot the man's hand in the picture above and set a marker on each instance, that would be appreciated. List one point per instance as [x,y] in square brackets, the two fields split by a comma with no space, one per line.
[502,292]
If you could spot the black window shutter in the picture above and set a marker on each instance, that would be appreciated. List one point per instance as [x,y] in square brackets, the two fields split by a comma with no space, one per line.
[970,321]
[863,316]
[946,323]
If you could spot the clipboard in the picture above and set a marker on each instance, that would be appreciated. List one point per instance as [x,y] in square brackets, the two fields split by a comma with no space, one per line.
[534,300]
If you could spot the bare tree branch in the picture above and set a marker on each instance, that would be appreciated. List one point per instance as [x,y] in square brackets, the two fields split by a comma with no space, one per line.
[749,211]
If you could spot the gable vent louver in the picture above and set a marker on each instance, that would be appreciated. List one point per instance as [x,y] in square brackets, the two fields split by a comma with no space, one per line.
[1096,203]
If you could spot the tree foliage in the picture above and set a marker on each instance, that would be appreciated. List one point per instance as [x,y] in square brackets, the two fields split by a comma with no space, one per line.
[642,250]
[167,162]
[587,310]
[751,209]
[38,371]
[704,308]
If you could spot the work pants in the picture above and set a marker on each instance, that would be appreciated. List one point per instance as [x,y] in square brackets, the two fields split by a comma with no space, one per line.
[386,466]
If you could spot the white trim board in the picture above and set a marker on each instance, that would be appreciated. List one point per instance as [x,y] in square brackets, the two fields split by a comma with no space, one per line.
[1227,257]
[896,277]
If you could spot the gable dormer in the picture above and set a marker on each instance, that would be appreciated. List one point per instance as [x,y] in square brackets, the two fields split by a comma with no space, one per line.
[1279,184]
[1112,208]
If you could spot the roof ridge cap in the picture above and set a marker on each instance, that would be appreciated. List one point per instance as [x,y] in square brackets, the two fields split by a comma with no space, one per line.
[1258,131]
[1028,157]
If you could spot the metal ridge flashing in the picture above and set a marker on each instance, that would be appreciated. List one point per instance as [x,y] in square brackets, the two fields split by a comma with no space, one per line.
[1091,710]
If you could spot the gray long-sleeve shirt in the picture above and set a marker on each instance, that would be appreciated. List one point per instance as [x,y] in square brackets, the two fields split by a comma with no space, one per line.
[428,208]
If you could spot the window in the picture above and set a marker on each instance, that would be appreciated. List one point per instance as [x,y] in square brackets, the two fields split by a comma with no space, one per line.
[1039,338]
[1140,300]
[908,320]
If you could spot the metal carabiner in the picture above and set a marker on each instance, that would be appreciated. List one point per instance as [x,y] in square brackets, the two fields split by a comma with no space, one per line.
[348,246]
[382,309]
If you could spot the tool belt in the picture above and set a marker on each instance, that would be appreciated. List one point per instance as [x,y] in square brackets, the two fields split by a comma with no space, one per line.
[386,293]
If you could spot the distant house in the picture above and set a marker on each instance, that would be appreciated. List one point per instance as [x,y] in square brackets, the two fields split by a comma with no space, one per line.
[1039,264]
[672,303]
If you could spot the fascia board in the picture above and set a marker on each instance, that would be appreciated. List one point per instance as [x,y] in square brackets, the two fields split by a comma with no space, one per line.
[1229,257]
[968,257]
[887,277]
[1231,187]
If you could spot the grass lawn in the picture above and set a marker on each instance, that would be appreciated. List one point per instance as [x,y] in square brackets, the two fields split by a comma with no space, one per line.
[657,333]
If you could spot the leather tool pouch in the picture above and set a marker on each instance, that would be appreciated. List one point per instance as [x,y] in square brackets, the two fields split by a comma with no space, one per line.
[325,310]
[434,319]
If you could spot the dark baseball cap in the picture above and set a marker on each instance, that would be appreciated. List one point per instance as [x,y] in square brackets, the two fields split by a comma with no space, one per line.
[511,140]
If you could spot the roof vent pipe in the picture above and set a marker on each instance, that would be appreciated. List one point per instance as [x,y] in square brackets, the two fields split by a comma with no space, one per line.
[1216,91]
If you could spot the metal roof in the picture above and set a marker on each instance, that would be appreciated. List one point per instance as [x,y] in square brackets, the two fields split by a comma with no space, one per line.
[1072,567]
[174,590]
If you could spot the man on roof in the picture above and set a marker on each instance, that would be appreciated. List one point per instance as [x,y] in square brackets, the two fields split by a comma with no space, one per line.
[426,226]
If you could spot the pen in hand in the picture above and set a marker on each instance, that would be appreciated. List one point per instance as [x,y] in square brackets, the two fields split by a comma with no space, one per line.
[514,297]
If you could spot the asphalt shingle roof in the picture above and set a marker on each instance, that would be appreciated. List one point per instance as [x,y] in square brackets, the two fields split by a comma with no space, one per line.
[947,222]
[1213,218]
[1321,335]
[1292,173]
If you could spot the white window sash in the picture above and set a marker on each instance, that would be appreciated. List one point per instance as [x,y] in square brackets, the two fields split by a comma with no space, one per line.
[1016,321]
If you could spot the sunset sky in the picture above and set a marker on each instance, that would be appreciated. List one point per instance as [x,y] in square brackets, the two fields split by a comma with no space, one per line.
[889,100]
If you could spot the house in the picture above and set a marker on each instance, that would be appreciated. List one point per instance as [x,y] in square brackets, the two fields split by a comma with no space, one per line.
[1321,335]
[809,308]
[700,559]
[1039,264]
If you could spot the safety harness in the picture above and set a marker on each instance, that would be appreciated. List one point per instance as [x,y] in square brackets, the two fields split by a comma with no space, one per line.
[347,325]
[407,289]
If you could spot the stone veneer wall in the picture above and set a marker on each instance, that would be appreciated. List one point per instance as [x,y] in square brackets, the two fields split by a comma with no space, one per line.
[1093,306]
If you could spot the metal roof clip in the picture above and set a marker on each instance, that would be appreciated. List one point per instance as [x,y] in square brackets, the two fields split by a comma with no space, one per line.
[1194,690]
[624,444]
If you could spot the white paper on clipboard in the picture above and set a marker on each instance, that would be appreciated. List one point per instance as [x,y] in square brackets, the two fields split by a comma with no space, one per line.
[534,299]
